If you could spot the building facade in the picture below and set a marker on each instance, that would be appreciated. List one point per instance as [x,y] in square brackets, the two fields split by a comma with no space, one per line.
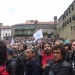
[66,25]
[24,29]
[6,32]
[31,26]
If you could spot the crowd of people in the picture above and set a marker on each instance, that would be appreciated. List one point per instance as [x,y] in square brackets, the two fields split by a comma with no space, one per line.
[42,57]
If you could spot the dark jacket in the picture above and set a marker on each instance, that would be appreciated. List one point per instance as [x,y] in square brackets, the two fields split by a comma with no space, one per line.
[11,66]
[61,68]
[32,67]
[14,66]
[73,56]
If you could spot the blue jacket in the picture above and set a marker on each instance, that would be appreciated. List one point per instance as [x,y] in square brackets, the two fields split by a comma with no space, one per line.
[32,67]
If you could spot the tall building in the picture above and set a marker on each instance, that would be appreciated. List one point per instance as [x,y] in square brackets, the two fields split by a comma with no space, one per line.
[66,23]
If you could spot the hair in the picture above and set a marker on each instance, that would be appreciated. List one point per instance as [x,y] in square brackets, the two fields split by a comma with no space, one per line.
[62,49]
[60,41]
[24,46]
[3,49]
[69,45]
[15,50]
[45,43]
[73,41]
[32,49]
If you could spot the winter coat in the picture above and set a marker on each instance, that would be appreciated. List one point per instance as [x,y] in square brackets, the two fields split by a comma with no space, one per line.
[15,66]
[61,68]
[32,67]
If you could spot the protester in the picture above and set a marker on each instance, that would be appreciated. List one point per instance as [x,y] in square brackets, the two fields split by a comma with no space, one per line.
[67,47]
[13,63]
[59,42]
[46,54]
[3,49]
[73,56]
[58,66]
[32,66]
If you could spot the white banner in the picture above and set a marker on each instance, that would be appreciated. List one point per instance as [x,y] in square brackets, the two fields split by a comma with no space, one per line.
[38,34]
[12,41]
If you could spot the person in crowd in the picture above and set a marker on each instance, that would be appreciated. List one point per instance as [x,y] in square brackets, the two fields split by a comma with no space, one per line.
[67,47]
[32,66]
[38,49]
[3,49]
[59,42]
[13,63]
[73,51]
[58,66]
[22,48]
[73,56]
[22,56]
[46,54]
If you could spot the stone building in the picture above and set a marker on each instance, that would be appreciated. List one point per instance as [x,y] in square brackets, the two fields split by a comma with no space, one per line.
[31,26]
[66,25]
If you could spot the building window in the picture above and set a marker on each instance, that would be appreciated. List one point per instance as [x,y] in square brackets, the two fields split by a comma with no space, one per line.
[67,22]
[6,34]
[72,28]
[73,17]
[69,10]
[72,7]
[70,19]
[63,25]
[67,13]
[64,16]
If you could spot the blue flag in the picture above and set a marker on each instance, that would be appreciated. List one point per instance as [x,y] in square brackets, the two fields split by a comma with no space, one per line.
[66,41]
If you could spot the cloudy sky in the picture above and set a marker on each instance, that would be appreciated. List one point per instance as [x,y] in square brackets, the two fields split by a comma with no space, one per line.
[18,11]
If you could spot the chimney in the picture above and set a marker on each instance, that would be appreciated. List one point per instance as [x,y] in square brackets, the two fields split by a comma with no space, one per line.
[55,18]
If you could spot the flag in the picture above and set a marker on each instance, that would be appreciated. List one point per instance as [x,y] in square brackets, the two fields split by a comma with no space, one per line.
[12,41]
[38,34]
[66,41]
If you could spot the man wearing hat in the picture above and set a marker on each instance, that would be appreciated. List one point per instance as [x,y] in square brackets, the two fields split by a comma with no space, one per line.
[11,64]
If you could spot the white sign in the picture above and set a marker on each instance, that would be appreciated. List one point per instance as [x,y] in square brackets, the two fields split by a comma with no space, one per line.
[38,34]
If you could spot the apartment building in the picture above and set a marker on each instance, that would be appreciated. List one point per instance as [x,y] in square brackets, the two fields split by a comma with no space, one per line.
[31,26]
[66,25]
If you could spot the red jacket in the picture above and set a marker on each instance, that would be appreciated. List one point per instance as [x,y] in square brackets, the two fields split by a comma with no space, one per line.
[3,70]
[46,58]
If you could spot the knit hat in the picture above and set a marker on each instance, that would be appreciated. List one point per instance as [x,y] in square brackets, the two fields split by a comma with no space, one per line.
[10,51]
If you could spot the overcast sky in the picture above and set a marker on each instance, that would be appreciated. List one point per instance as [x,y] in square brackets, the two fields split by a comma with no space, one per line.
[18,11]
